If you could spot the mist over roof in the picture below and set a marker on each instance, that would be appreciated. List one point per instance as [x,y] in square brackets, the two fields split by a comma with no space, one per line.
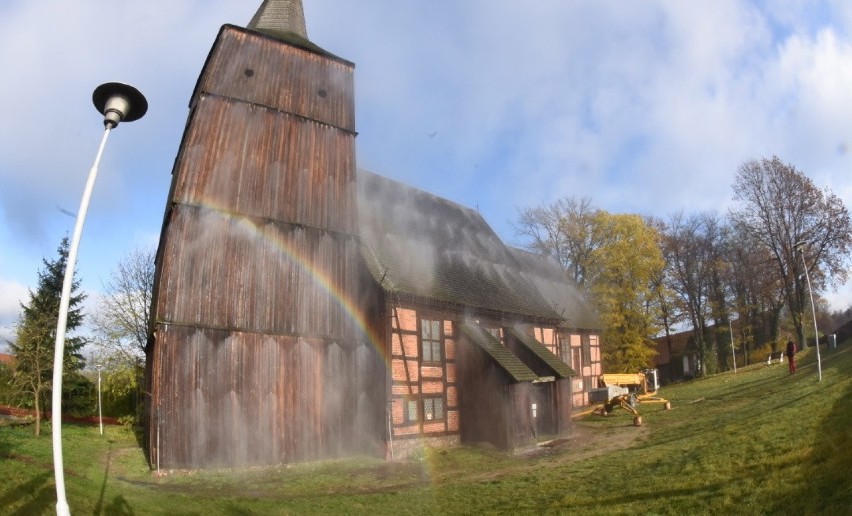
[419,244]
[560,292]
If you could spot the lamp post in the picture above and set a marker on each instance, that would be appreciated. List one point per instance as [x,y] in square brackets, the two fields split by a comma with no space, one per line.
[118,102]
[100,414]
[733,354]
[800,248]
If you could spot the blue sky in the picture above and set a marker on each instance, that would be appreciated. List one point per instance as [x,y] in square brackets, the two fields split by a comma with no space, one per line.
[644,106]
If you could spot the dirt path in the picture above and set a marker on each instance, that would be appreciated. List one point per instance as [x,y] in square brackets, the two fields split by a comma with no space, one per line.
[585,442]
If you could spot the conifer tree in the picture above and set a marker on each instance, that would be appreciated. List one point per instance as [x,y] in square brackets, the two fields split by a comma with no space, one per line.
[36,334]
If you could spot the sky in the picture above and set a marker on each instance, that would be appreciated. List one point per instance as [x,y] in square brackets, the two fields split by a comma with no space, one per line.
[645,107]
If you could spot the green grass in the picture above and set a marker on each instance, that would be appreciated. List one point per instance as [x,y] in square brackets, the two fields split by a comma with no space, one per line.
[756,442]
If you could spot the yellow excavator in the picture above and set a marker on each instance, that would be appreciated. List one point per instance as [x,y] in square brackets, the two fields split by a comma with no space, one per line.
[627,390]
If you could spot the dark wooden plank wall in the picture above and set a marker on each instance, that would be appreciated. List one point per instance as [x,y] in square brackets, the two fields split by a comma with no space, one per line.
[564,405]
[258,354]
[231,398]
[255,161]
[522,423]
[227,272]
[486,398]
[261,70]
[553,399]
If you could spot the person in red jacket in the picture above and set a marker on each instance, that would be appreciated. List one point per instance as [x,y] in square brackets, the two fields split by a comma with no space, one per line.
[791,356]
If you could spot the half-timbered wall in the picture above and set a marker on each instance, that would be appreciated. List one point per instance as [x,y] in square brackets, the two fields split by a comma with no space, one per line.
[547,336]
[481,402]
[582,352]
[421,383]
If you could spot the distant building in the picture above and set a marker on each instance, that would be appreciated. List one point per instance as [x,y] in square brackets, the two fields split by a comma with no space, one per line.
[305,310]
[677,357]
[7,359]
[843,332]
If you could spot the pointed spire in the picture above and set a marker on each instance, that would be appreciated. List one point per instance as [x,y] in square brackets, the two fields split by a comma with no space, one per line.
[279,17]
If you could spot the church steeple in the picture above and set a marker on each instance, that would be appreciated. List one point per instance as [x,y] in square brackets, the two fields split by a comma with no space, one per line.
[262,213]
[278,17]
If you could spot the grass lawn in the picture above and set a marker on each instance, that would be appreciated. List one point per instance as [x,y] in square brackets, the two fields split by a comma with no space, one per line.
[756,442]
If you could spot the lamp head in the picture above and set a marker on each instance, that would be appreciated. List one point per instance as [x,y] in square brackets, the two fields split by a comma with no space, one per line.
[799,246]
[119,102]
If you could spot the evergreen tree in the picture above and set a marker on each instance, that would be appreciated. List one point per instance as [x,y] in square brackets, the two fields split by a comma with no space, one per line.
[36,334]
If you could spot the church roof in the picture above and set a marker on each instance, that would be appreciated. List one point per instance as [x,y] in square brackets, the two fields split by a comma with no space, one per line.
[418,244]
[560,292]
[559,367]
[511,364]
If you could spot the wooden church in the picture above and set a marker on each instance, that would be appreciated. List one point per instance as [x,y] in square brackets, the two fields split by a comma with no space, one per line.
[304,309]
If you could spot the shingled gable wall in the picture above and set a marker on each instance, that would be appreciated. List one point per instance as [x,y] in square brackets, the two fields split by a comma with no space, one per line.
[258,353]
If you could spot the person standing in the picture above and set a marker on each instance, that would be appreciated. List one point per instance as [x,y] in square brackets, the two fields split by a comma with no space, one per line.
[791,356]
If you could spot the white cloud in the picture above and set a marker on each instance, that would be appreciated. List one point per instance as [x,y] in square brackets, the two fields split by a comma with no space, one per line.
[12,294]
[644,107]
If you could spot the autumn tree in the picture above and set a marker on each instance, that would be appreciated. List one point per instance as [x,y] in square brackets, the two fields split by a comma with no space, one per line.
[756,293]
[690,245]
[781,210]
[671,311]
[36,334]
[120,324]
[622,270]
[564,231]
[616,259]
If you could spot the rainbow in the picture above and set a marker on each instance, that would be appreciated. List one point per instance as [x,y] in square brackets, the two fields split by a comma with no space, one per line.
[298,258]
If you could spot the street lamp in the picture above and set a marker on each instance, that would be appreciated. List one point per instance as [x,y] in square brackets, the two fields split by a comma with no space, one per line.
[800,248]
[118,102]
[733,354]
[100,414]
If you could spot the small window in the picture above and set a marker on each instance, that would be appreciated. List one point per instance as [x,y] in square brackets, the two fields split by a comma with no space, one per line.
[587,349]
[564,349]
[411,412]
[587,384]
[576,363]
[430,338]
[534,410]
[433,409]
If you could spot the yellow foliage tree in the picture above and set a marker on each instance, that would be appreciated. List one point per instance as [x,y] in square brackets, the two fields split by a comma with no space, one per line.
[623,266]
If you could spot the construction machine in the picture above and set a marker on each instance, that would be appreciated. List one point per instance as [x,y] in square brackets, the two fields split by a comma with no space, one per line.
[627,390]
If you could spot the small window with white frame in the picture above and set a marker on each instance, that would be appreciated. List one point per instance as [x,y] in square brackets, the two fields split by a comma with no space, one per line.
[430,340]
[433,409]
